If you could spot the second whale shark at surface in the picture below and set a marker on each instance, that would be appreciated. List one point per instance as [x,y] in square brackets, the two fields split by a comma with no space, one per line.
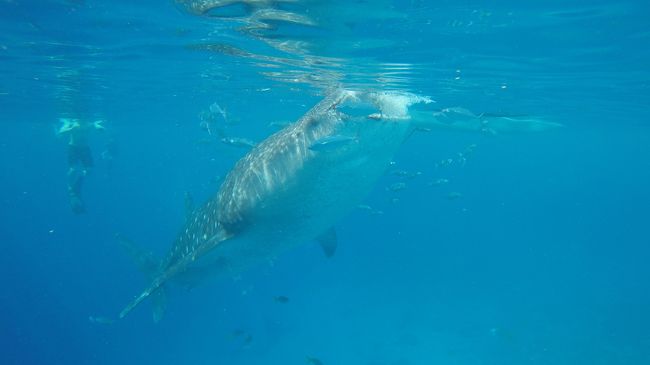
[285,192]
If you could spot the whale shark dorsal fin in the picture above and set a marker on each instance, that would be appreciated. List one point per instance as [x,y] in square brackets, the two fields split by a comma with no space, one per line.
[328,242]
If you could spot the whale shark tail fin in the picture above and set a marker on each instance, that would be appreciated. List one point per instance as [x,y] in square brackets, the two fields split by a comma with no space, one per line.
[150,267]
[158,298]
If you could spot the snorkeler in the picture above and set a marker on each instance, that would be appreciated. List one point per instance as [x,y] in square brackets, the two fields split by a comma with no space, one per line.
[80,158]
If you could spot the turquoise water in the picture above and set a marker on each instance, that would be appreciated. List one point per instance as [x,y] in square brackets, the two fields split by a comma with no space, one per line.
[475,247]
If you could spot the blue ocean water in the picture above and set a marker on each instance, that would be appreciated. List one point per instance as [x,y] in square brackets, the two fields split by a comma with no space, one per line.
[494,248]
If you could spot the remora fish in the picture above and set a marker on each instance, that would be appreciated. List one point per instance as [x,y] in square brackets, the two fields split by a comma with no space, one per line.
[461,119]
[281,193]
[330,143]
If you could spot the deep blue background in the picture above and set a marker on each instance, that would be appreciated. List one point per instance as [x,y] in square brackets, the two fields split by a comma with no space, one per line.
[543,260]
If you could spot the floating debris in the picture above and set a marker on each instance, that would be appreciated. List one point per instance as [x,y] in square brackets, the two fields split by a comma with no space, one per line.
[215,108]
[281,299]
[214,119]
[205,126]
[238,142]
[330,143]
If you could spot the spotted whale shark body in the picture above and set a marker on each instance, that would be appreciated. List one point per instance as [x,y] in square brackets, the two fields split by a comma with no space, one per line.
[284,193]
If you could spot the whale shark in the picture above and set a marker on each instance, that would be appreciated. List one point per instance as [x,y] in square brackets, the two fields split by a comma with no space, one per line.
[285,192]
[463,120]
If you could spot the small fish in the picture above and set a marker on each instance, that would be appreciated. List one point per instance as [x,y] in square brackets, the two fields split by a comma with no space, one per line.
[238,142]
[444,162]
[438,182]
[370,209]
[248,340]
[237,333]
[397,187]
[279,124]
[413,175]
[330,143]
[101,320]
[470,149]
[314,361]
[281,299]
[401,173]
[454,195]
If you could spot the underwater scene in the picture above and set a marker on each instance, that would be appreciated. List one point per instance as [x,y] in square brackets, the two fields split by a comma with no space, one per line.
[325,182]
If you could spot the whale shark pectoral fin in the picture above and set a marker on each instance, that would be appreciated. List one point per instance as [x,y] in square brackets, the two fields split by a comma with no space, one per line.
[159,303]
[328,242]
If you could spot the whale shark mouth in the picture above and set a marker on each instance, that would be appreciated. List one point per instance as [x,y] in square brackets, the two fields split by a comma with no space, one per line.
[395,104]
[391,105]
